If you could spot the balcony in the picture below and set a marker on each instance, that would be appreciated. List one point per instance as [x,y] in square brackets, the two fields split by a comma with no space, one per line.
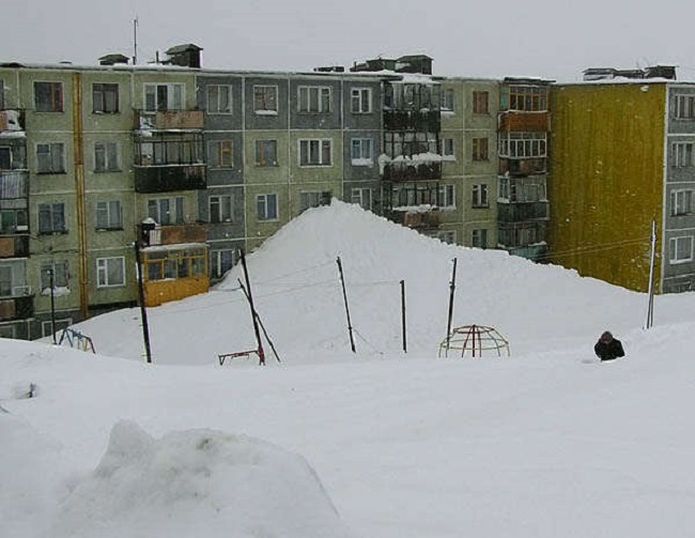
[522,211]
[15,308]
[410,170]
[14,247]
[418,220]
[13,186]
[12,121]
[165,120]
[429,121]
[515,121]
[522,167]
[176,235]
[166,178]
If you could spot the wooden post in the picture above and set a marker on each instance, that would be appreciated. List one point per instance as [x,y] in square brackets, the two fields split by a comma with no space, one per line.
[53,304]
[261,354]
[347,307]
[452,289]
[403,323]
[143,309]
[260,321]
[649,322]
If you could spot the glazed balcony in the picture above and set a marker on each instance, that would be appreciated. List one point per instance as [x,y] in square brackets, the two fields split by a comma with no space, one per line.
[418,220]
[175,235]
[411,170]
[166,120]
[427,121]
[12,121]
[14,246]
[18,307]
[521,121]
[170,178]
[522,167]
[522,211]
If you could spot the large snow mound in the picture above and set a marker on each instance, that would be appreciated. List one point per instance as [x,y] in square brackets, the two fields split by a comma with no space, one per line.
[197,483]
[295,281]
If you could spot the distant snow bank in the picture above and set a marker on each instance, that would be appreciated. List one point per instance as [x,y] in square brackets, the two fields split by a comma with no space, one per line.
[197,483]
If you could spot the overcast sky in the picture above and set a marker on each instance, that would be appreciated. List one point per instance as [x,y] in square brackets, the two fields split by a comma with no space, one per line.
[549,38]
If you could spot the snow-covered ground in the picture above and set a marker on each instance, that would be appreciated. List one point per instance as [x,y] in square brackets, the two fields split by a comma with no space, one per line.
[543,444]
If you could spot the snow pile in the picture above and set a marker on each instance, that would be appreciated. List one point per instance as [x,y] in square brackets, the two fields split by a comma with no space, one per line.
[197,483]
[299,298]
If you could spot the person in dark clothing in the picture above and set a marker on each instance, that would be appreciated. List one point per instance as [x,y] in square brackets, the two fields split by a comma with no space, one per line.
[608,348]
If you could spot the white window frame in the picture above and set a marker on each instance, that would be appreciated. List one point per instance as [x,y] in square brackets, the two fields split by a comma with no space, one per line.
[103,271]
[109,215]
[216,262]
[258,146]
[366,158]
[449,153]
[266,111]
[118,98]
[673,250]
[519,145]
[170,96]
[357,97]
[480,157]
[221,200]
[683,154]
[173,210]
[50,146]
[108,165]
[480,196]
[682,202]
[265,217]
[319,90]
[684,108]
[473,236]
[447,196]
[448,100]
[357,196]
[216,109]
[320,142]
[215,150]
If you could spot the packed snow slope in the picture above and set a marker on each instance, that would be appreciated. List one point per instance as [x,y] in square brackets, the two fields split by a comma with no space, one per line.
[538,446]
[298,295]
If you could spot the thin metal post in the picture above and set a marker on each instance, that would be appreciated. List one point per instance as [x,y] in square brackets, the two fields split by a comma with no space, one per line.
[649,322]
[403,319]
[452,289]
[53,305]
[143,309]
[345,300]
[135,40]
[261,353]
[260,321]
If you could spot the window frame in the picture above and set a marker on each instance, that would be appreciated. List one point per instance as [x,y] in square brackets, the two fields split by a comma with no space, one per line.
[683,154]
[169,86]
[673,250]
[476,108]
[51,206]
[216,262]
[448,100]
[357,93]
[103,91]
[51,146]
[64,273]
[319,99]
[109,226]
[357,197]
[216,150]
[220,200]
[480,196]
[480,149]
[264,197]
[684,102]
[482,239]
[446,197]
[105,272]
[109,167]
[59,84]
[321,199]
[320,142]
[362,160]
[446,154]
[266,111]
[687,202]
[173,209]
[261,163]
[230,100]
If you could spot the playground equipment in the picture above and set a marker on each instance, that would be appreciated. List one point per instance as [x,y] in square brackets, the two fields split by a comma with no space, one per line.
[475,339]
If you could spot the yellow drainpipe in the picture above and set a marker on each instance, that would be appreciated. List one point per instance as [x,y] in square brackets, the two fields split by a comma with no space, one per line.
[78,147]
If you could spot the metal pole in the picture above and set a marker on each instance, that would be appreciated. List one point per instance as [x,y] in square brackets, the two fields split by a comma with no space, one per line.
[347,307]
[261,354]
[405,338]
[143,310]
[260,321]
[452,289]
[649,322]
[53,305]
[135,40]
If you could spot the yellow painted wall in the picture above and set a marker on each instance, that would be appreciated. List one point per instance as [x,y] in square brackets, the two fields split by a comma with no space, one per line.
[606,179]
[158,292]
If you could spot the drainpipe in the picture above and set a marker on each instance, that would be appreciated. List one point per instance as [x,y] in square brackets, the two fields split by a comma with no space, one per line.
[78,149]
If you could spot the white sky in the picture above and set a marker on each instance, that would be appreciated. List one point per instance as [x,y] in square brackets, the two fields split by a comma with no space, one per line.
[549,38]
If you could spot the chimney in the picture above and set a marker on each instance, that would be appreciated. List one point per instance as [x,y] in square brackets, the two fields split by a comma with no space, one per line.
[113,59]
[186,55]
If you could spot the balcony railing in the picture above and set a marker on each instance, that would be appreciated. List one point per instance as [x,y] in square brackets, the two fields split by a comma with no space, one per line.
[16,308]
[165,178]
[429,121]
[516,121]
[14,247]
[176,235]
[412,170]
[522,211]
[12,120]
[522,167]
[164,120]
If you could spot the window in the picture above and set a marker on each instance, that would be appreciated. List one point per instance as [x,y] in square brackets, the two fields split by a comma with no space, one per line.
[479,238]
[265,99]
[447,236]
[685,107]
[449,152]
[48,96]
[267,206]
[219,99]
[7,331]
[448,100]
[362,152]
[447,196]
[221,154]
[163,97]
[520,145]
[172,264]
[13,221]
[363,197]
[110,272]
[170,149]
[50,158]
[480,146]
[221,262]
[480,196]
[47,326]
[105,98]
[52,218]
[314,99]
[531,98]
[106,157]
[266,153]
[681,202]
[109,215]
[5,158]
[221,209]
[61,275]
[681,249]
[315,153]
[6,280]
[361,100]
[682,154]
[313,199]
[166,211]
[480,102]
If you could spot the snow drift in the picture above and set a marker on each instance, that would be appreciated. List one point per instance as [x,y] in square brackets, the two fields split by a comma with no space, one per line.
[197,483]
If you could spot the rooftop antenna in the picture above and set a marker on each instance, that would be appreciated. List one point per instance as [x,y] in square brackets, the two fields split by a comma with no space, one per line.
[135,40]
